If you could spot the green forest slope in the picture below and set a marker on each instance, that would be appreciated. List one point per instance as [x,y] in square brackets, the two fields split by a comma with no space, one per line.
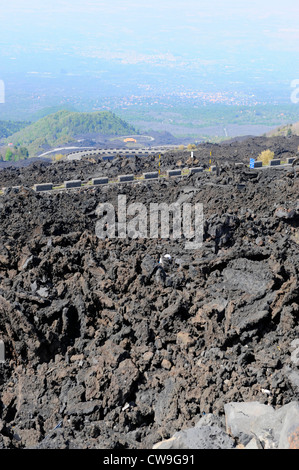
[60,128]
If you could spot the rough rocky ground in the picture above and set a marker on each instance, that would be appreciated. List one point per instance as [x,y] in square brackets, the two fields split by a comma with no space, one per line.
[229,152]
[108,348]
[252,425]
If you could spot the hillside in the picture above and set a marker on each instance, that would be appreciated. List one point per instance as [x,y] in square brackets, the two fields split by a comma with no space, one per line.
[61,127]
[9,127]
[289,129]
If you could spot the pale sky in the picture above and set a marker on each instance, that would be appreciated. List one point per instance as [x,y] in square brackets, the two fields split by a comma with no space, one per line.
[158,26]
[240,41]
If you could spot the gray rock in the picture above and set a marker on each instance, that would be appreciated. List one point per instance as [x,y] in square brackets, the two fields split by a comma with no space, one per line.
[266,429]
[270,429]
[33,286]
[252,277]
[160,275]
[43,292]
[163,404]
[83,408]
[250,316]
[172,310]
[253,444]
[281,213]
[148,265]
[27,262]
[289,433]
[210,420]
[240,418]
[293,377]
[203,437]
[295,356]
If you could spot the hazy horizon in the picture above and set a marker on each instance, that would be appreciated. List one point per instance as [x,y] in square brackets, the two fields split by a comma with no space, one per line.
[97,49]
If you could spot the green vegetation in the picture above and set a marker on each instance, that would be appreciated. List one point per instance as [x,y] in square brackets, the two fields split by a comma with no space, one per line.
[288,130]
[213,114]
[14,154]
[60,128]
[57,157]
[266,156]
[188,120]
[10,127]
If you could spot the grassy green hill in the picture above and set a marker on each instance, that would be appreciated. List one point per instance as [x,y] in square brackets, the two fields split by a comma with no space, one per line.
[60,128]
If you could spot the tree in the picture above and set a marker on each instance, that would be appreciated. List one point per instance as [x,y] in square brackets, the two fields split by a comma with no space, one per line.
[23,153]
[266,156]
[8,155]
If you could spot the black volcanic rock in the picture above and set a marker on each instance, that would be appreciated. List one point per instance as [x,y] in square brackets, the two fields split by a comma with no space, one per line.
[105,347]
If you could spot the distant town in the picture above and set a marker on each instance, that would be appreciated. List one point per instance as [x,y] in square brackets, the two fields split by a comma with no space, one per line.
[183,97]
